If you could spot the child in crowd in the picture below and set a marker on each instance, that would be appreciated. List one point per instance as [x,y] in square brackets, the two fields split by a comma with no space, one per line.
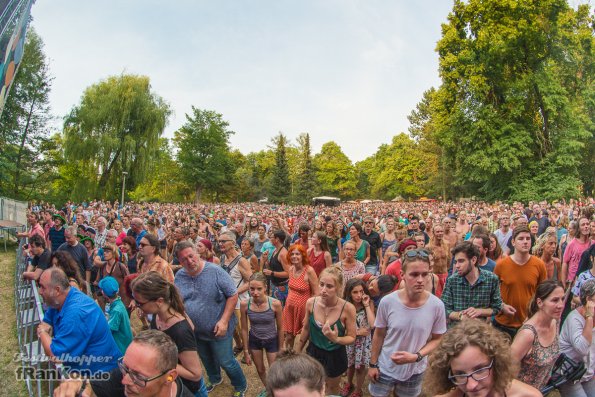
[115,311]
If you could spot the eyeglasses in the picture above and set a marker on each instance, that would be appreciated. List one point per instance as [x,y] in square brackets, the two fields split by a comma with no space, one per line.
[144,245]
[418,253]
[224,241]
[480,374]
[368,223]
[141,304]
[137,379]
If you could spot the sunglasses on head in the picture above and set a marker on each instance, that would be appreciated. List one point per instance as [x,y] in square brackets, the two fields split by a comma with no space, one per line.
[421,253]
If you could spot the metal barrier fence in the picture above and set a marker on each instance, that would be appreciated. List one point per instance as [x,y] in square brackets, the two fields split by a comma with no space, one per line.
[29,313]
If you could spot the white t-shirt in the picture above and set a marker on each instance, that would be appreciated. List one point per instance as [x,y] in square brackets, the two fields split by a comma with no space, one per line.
[503,238]
[408,329]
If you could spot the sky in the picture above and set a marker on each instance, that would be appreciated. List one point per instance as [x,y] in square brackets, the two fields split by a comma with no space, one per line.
[342,70]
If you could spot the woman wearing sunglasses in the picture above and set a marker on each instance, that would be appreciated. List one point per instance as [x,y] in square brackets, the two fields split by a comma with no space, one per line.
[474,360]
[155,295]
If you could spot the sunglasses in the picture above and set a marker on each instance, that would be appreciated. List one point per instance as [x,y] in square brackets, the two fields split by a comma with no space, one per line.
[418,253]
[137,379]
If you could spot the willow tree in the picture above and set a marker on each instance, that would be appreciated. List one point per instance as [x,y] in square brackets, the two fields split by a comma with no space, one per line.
[115,129]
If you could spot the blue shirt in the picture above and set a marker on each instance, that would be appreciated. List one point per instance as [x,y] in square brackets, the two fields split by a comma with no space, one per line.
[82,338]
[489,266]
[205,296]
[140,236]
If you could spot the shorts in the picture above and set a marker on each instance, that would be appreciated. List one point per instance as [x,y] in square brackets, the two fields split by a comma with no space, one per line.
[334,362]
[269,345]
[403,388]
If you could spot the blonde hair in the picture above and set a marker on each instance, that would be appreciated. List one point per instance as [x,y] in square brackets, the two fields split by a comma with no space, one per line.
[337,274]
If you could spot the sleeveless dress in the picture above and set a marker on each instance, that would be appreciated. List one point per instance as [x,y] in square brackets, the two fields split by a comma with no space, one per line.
[295,305]
[358,354]
[536,367]
[385,244]
[317,261]
[263,325]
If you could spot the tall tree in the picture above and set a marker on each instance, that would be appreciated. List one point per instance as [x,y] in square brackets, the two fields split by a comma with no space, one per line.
[204,151]
[515,108]
[306,183]
[115,128]
[24,123]
[280,187]
[334,172]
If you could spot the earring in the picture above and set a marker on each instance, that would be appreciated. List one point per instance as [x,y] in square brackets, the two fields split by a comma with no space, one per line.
[170,378]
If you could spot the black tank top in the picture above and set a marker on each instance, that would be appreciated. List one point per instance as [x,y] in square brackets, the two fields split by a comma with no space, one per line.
[276,266]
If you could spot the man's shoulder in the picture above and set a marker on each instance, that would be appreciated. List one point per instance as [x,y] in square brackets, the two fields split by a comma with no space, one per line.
[487,275]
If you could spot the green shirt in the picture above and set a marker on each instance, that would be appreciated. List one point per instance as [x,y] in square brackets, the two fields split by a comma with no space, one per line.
[459,295]
[119,324]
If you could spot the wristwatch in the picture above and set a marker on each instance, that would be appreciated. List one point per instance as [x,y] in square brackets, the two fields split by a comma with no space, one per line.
[373,365]
[419,357]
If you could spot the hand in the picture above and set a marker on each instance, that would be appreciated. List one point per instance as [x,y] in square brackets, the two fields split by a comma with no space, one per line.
[365,300]
[68,388]
[590,308]
[331,332]
[267,272]
[403,358]
[470,313]
[508,310]
[373,374]
[43,327]
[220,329]
[365,331]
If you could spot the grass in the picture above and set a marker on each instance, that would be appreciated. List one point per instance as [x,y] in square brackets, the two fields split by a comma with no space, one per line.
[8,342]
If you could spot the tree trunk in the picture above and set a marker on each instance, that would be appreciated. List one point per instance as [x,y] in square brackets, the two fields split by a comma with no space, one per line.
[107,172]
[198,194]
[17,175]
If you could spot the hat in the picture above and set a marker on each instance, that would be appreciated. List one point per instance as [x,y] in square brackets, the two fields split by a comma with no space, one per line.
[91,230]
[82,241]
[109,286]
[406,243]
[61,218]
[206,243]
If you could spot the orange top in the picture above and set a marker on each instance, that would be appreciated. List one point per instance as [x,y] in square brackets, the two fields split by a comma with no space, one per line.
[517,286]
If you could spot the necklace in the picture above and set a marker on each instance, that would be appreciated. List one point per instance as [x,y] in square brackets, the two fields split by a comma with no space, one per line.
[328,308]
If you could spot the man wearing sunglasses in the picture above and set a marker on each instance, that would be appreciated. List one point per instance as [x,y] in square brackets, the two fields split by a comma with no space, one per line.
[147,369]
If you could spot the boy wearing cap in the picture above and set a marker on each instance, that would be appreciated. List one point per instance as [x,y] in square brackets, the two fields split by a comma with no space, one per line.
[115,311]
[56,233]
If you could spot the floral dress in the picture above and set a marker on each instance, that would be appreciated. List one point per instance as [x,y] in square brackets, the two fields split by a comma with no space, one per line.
[358,353]
[536,367]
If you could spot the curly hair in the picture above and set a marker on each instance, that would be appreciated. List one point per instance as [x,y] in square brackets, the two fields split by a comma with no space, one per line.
[471,332]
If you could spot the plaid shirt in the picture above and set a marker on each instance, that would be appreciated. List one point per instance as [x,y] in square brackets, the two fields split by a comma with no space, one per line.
[459,295]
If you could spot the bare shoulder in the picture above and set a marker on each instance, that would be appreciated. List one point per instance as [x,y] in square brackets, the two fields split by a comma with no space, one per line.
[520,389]
[276,304]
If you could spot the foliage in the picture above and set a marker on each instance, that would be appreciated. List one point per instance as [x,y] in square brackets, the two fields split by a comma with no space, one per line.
[24,125]
[115,129]
[204,151]
[514,112]
[306,183]
[280,187]
[334,172]
[163,183]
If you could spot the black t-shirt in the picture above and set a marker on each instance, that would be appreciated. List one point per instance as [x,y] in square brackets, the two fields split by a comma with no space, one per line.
[80,255]
[183,336]
[42,261]
[113,387]
[375,243]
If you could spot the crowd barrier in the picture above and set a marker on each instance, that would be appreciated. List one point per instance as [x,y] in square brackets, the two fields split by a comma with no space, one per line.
[34,366]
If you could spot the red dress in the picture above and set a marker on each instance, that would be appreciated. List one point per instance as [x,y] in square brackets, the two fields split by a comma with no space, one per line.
[295,305]
[317,261]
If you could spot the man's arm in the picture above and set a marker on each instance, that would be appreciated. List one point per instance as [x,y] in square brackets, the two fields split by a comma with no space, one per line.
[221,326]
[246,272]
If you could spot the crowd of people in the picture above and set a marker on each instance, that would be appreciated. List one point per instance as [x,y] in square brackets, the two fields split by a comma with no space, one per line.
[457,299]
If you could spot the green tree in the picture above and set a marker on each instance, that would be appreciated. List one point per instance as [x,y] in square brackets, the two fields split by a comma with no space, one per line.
[204,151]
[24,124]
[163,182]
[306,183]
[280,186]
[334,172]
[514,113]
[115,128]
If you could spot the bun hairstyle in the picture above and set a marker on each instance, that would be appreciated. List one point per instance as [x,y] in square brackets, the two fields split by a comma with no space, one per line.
[259,276]
[337,274]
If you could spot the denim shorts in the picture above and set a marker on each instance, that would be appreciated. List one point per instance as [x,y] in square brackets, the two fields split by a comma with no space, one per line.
[403,388]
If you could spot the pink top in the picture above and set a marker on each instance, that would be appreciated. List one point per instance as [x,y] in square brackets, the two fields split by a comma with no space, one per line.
[120,238]
[573,253]
[37,229]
